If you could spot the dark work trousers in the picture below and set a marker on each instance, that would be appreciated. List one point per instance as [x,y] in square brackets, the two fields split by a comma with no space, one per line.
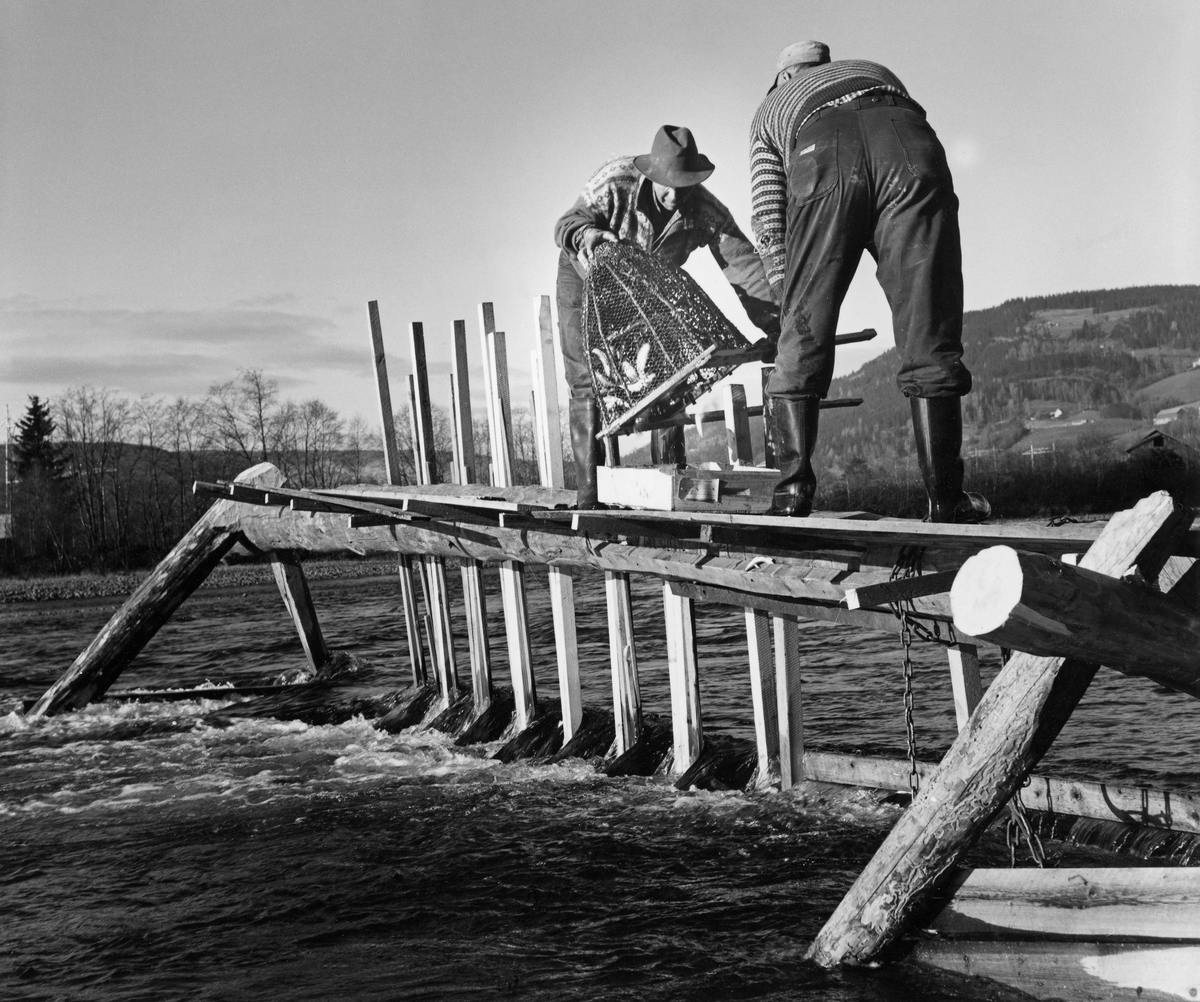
[569,293]
[871,175]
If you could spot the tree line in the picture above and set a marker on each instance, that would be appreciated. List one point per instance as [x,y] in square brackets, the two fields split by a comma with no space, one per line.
[98,480]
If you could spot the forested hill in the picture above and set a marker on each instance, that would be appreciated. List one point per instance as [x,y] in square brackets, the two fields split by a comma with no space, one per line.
[1109,351]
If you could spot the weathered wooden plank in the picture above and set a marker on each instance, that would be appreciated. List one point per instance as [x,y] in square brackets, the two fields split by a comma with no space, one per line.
[1075,972]
[686,724]
[789,709]
[627,697]
[391,454]
[445,656]
[293,588]
[145,611]
[964,680]
[887,592]
[737,426]
[762,696]
[1015,722]
[1152,903]
[1034,603]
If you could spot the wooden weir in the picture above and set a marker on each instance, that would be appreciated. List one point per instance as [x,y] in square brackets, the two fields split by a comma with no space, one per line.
[1068,599]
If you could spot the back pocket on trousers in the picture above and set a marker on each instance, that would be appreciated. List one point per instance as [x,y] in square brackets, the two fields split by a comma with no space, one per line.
[923,151]
[814,168]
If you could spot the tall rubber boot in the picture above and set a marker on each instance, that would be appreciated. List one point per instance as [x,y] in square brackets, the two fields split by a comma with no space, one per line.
[671,448]
[795,439]
[937,424]
[585,422]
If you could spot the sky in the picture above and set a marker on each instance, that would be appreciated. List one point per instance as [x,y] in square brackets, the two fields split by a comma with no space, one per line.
[194,187]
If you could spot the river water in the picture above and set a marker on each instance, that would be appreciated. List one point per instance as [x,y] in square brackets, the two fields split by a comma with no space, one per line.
[210,850]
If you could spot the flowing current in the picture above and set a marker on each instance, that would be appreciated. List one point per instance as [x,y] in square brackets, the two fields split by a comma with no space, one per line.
[249,849]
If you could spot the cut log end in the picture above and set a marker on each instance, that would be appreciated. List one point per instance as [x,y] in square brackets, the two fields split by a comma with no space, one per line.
[986,590]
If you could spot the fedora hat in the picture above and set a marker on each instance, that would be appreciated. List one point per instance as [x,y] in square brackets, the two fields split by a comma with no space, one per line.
[673,160]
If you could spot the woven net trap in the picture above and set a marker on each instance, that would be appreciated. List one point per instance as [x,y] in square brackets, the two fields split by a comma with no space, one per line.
[643,320]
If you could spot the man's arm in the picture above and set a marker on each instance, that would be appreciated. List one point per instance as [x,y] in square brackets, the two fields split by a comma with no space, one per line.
[587,223]
[744,270]
[768,208]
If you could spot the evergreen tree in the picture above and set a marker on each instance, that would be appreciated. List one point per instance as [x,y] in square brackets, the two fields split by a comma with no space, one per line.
[34,449]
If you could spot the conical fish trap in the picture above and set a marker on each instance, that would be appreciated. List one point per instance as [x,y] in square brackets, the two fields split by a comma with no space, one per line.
[643,321]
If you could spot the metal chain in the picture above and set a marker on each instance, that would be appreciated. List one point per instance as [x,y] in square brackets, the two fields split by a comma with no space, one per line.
[914,780]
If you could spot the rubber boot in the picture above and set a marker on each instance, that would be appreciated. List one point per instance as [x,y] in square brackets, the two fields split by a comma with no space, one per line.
[795,438]
[585,422]
[937,424]
[671,450]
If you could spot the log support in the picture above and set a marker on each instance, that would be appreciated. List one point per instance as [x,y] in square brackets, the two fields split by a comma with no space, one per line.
[687,728]
[133,625]
[1015,722]
[293,587]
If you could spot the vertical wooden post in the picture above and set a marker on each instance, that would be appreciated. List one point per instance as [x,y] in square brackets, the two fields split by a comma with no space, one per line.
[787,698]
[561,583]
[423,416]
[293,586]
[768,416]
[437,598]
[391,456]
[686,725]
[627,696]
[408,604]
[965,681]
[762,694]
[512,574]
[395,475]
[737,426]
[474,600]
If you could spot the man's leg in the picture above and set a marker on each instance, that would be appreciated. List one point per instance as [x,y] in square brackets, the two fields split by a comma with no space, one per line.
[582,410]
[919,258]
[828,214]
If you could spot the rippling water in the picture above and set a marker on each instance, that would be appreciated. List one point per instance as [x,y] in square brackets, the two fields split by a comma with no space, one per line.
[183,850]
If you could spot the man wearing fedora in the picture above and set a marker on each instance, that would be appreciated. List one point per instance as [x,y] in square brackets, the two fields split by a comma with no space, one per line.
[657,202]
[842,161]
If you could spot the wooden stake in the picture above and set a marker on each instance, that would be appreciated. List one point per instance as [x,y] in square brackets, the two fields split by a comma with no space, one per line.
[737,426]
[293,586]
[686,724]
[474,599]
[787,699]
[512,574]
[408,603]
[1015,722]
[762,695]
[964,680]
[391,455]
[627,696]
[560,581]
[147,609]
[423,411]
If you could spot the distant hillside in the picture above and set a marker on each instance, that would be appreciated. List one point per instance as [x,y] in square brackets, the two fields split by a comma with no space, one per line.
[1119,355]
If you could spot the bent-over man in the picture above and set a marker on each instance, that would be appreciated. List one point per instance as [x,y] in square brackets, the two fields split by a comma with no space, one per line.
[657,202]
[842,161]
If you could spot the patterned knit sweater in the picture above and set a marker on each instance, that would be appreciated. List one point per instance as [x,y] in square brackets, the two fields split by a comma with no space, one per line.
[781,114]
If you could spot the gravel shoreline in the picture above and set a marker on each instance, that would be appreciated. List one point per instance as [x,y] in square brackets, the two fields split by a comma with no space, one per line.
[75,586]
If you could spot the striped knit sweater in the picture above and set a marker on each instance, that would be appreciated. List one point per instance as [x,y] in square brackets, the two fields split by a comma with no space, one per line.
[781,114]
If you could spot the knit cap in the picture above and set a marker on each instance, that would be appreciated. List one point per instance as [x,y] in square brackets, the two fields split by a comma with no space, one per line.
[802,53]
